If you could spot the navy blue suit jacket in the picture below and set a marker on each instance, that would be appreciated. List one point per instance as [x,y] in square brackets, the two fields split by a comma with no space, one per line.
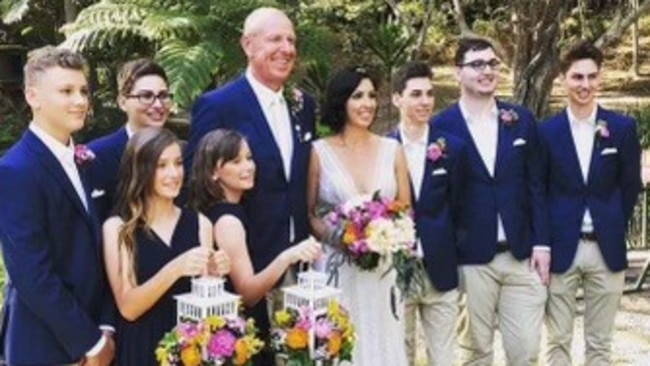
[515,191]
[273,200]
[611,191]
[105,169]
[438,208]
[57,294]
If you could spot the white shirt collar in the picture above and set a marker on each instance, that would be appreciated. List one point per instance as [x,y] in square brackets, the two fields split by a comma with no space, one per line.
[129,130]
[468,117]
[591,119]
[265,95]
[63,153]
[422,140]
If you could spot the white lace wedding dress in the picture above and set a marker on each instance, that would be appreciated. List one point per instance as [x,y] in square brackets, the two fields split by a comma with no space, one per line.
[366,294]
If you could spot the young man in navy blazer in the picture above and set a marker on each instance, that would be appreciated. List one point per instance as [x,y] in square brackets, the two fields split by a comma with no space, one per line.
[57,306]
[592,163]
[436,162]
[143,94]
[501,235]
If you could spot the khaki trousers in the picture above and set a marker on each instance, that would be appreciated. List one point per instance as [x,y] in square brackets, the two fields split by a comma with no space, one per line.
[438,313]
[507,294]
[602,293]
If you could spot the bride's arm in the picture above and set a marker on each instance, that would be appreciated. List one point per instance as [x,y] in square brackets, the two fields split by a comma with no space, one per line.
[402,175]
[318,226]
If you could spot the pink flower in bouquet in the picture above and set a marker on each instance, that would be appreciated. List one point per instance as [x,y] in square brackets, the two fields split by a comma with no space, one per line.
[323,328]
[238,324]
[83,155]
[222,344]
[304,322]
[188,332]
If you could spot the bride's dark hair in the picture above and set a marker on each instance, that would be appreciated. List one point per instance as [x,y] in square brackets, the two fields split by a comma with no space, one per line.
[339,89]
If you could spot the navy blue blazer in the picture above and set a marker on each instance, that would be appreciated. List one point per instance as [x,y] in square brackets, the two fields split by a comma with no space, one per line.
[438,208]
[611,191]
[57,294]
[273,200]
[515,191]
[105,169]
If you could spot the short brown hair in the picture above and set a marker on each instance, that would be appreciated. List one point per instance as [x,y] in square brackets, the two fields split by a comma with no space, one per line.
[133,70]
[41,59]
[582,50]
[471,44]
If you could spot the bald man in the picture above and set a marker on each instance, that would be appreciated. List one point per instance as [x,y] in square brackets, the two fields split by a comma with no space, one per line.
[278,125]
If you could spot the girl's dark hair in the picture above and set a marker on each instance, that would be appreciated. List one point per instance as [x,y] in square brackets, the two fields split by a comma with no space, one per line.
[215,149]
[136,180]
[339,89]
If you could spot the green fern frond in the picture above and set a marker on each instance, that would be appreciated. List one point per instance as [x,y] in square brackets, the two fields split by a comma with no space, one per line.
[16,12]
[100,37]
[189,67]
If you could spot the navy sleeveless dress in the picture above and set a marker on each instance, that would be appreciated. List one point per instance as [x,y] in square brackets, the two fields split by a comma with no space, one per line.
[258,311]
[137,340]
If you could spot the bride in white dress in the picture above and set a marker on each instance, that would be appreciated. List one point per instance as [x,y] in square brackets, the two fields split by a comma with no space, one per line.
[352,162]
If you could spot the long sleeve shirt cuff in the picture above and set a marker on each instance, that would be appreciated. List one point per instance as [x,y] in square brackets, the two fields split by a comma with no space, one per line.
[542,248]
[97,347]
[107,328]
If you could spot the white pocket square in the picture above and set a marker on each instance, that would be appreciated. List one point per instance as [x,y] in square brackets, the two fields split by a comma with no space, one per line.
[609,151]
[439,171]
[307,137]
[97,193]
[519,142]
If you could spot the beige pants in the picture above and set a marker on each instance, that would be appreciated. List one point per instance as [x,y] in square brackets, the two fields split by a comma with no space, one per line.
[507,294]
[438,313]
[602,293]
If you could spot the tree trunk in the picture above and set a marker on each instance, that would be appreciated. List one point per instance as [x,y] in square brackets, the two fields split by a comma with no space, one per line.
[70,9]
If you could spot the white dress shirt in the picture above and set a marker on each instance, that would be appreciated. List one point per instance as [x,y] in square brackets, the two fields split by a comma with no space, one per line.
[485,133]
[65,155]
[415,152]
[277,116]
[584,132]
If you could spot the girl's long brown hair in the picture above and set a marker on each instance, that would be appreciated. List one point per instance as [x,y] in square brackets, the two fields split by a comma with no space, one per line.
[135,184]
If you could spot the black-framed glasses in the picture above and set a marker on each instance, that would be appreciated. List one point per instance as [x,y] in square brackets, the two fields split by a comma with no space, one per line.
[480,65]
[149,97]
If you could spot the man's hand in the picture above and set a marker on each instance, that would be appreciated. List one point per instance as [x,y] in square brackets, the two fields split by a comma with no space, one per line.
[105,356]
[540,261]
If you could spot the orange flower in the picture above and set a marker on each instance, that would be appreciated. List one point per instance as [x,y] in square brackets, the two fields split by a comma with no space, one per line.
[396,206]
[297,338]
[190,356]
[350,235]
[334,343]
[241,352]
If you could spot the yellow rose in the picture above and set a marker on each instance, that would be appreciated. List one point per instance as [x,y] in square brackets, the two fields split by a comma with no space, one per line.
[297,338]
[215,322]
[282,318]
[190,356]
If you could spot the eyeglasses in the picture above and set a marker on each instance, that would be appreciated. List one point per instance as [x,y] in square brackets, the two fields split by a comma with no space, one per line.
[480,65]
[149,97]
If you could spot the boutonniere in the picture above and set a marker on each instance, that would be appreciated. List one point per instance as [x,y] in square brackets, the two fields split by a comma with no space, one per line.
[601,129]
[508,116]
[83,155]
[302,138]
[295,99]
[436,150]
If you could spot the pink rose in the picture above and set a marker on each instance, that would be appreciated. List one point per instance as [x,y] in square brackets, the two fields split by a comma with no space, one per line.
[83,155]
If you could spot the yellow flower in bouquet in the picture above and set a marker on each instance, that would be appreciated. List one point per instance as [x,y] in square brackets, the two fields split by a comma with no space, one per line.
[350,235]
[334,343]
[241,352]
[297,338]
[190,356]
[215,322]
[282,318]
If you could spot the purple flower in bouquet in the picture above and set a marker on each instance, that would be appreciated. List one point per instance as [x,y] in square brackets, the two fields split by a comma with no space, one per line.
[323,328]
[238,324]
[304,321]
[222,344]
[188,331]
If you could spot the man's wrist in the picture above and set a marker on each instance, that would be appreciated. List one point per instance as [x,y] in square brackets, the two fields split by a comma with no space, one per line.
[97,347]
[542,248]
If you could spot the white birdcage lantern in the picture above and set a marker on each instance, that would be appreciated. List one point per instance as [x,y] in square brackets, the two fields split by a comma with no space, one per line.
[208,297]
[313,293]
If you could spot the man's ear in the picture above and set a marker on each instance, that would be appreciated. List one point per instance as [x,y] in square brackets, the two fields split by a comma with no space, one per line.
[31,97]
[396,99]
[121,99]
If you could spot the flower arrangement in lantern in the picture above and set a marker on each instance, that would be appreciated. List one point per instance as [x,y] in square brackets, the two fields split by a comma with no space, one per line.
[209,330]
[313,328]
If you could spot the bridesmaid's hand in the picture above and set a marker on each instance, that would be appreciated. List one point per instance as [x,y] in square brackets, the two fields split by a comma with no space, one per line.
[307,250]
[219,264]
[193,262]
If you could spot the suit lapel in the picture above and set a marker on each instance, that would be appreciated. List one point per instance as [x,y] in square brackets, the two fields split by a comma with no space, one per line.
[259,121]
[568,145]
[54,168]
[504,141]
[463,131]
[594,164]
[398,136]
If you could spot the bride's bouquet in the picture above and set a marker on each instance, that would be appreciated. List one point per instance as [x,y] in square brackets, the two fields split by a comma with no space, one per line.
[371,228]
